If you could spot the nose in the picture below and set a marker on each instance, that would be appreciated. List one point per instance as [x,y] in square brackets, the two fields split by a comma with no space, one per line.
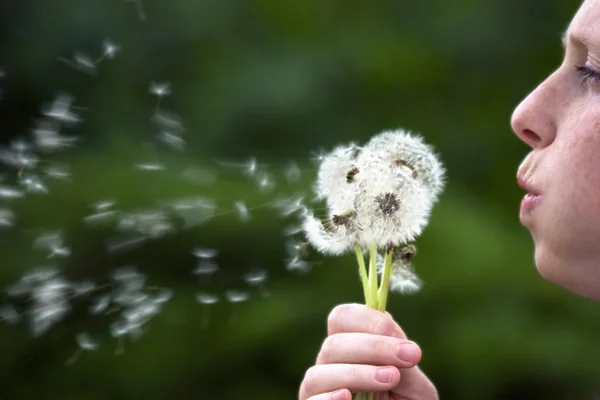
[534,120]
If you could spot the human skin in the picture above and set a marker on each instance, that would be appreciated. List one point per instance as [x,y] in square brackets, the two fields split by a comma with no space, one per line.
[560,122]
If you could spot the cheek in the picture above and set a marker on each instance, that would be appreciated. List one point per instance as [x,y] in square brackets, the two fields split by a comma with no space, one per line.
[575,181]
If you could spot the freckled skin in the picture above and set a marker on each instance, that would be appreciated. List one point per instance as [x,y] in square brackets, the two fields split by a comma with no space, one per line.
[560,121]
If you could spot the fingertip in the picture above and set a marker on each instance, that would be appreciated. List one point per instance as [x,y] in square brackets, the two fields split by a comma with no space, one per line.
[342,394]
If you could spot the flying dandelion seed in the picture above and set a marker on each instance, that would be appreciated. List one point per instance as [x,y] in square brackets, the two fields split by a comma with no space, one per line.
[7,218]
[242,211]
[205,268]
[110,50]
[151,167]
[258,277]
[203,252]
[100,305]
[84,343]
[193,211]
[235,296]
[206,299]
[292,173]
[81,62]
[9,315]
[53,242]
[200,176]
[59,172]
[160,90]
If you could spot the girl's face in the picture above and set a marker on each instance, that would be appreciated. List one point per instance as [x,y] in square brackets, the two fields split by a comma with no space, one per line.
[560,121]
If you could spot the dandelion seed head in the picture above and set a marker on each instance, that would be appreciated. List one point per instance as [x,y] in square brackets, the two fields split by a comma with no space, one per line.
[334,242]
[331,183]
[405,150]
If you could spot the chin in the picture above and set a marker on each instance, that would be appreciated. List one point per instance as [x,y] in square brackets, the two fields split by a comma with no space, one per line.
[565,274]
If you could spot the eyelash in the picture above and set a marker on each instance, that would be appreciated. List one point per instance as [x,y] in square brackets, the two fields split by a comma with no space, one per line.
[588,74]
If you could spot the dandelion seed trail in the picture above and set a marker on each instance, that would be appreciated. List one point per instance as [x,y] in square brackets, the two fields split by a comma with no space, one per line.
[46,296]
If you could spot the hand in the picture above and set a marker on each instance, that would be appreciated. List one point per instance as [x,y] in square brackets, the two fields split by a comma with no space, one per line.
[366,351]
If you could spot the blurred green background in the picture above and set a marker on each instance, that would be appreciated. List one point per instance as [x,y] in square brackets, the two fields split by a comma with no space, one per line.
[279,80]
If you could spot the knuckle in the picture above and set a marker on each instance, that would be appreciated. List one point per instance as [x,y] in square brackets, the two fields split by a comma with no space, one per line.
[337,315]
[384,325]
[310,382]
[328,347]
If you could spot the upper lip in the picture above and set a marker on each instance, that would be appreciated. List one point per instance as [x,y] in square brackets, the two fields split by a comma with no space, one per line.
[527,187]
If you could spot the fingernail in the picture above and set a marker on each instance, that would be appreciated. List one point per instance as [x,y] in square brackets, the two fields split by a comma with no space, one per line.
[338,395]
[407,352]
[383,375]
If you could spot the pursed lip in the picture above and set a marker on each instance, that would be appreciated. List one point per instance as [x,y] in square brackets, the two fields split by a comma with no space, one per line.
[527,187]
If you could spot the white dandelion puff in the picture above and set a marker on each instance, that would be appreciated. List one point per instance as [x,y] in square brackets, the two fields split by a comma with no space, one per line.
[335,241]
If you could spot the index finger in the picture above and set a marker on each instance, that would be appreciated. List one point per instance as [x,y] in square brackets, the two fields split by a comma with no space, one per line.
[360,318]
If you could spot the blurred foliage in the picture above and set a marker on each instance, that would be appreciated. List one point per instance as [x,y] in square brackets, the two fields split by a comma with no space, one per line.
[279,80]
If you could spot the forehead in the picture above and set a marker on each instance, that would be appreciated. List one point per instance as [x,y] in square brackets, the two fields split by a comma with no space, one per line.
[585,26]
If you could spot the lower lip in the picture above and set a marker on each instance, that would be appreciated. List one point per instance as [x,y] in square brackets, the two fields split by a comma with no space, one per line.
[530,201]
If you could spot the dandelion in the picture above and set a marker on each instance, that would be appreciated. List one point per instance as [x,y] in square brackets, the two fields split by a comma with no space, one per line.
[378,199]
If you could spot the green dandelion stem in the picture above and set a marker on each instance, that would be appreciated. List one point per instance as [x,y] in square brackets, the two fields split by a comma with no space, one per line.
[382,294]
[364,277]
[373,277]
